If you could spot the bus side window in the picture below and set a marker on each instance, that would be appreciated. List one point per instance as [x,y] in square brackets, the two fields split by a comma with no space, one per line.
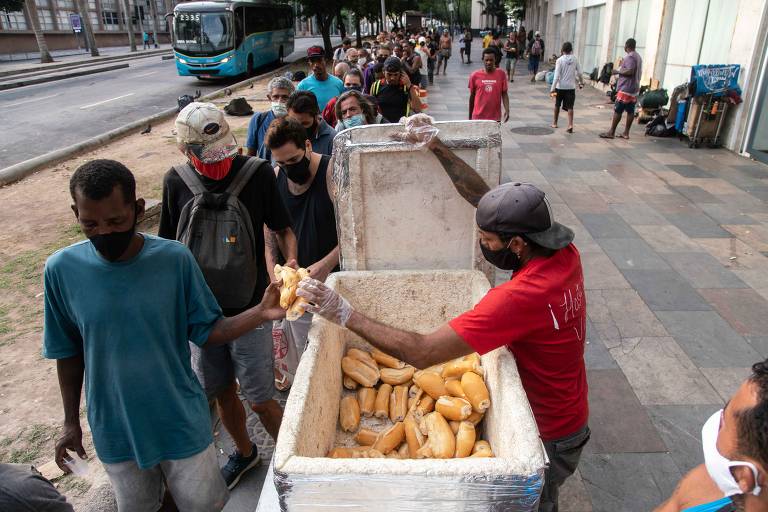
[239,26]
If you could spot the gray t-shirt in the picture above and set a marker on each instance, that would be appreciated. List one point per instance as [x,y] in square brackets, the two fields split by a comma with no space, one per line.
[630,84]
[23,489]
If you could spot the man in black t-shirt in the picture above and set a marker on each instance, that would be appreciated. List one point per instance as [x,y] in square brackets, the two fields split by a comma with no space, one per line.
[305,186]
[395,96]
[204,137]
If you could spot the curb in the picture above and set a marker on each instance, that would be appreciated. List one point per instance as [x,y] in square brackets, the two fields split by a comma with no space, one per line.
[54,78]
[23,169]
[94,60]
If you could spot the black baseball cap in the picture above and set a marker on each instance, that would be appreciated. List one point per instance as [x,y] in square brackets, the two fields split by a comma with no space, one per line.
[521,209]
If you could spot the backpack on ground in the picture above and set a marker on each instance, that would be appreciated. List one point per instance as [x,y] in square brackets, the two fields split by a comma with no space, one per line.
[536,48]
[217,229]
[594,75]
[238,107]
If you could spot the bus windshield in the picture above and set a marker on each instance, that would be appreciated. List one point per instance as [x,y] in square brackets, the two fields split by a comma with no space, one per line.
[206,33]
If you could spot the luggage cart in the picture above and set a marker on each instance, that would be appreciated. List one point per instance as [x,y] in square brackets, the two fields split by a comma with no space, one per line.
[708,112]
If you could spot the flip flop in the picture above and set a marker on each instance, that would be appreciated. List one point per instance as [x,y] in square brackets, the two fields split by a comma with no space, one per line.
[625,137]
[606,136]
[569,130]
[553,126]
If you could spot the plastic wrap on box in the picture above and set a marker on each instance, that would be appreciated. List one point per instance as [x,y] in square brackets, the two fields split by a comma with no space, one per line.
[393,199]
[419,301]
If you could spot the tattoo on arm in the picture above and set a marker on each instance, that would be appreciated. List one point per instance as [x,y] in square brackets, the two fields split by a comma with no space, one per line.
[468,183]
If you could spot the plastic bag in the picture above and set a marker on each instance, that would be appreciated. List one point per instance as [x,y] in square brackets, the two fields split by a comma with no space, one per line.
[419,130]
[286,355]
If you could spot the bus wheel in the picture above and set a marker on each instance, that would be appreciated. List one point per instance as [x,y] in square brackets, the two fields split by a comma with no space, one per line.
[249,66]
[280,57]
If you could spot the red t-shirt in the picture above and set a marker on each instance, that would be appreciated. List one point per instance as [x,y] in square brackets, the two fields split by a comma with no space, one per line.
[540,315]
[488,88]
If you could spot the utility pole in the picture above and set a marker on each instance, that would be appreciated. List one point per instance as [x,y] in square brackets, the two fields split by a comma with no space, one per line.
[383,16]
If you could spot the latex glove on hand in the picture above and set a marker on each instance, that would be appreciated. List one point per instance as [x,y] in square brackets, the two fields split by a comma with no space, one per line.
[324,302]
[419,130]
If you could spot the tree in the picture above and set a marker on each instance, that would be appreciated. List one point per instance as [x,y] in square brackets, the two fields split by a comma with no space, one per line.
[31,11]
[324,12]
[82,10]
[497,9]
[128,22]
[153,13]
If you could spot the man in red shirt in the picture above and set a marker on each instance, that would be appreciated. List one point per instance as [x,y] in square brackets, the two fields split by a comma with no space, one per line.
[539,315]
[488,89]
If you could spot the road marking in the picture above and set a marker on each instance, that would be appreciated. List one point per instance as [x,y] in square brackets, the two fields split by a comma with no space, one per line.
[30,100]
[145,74]
[105,101]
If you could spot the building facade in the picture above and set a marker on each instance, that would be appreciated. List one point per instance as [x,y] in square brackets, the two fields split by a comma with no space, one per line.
[671,35]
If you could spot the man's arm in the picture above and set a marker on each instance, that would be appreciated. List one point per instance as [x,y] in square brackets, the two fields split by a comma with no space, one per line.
[287,243]
[70,372]
[468,183]
[505,101]
[227,329]
[471,104]
[321,268]
[276,244]
[419,350]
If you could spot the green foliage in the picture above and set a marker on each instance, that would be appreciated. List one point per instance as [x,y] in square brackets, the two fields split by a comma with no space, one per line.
[11,5]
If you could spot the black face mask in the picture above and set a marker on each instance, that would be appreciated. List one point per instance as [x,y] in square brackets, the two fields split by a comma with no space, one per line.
[381,58]
[298,172]
[312,130]
[504,258]
[113,245]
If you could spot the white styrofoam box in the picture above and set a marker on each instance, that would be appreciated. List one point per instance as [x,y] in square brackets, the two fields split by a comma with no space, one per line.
[419,301]
[397,209]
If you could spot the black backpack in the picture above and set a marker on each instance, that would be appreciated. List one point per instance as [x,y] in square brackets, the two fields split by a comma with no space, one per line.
[238,107]
[218,230]
[605,73]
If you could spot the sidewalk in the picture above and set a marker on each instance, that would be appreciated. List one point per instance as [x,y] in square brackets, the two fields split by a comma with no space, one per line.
[32,60]
[674,244]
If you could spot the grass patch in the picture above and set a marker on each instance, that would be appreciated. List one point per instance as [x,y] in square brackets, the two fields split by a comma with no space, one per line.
[29,444]
[70,484]
[5,324]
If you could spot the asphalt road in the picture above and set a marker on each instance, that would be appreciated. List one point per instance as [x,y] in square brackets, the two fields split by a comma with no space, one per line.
[45,117]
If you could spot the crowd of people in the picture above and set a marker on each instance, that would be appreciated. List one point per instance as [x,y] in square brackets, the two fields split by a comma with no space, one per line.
[161,328]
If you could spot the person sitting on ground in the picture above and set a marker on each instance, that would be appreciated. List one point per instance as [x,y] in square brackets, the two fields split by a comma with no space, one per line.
[121,309]
[734,476]
[302,106]
[340,69]
[395,96]
[567,74]
[488,89]
[341,52]
[353,81]
[353,109]
[627,88]
[320,83]
[24,489]
[279,89]
[245,365]
[385,52]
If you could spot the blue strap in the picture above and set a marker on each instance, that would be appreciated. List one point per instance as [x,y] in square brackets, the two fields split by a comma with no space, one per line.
[713,506]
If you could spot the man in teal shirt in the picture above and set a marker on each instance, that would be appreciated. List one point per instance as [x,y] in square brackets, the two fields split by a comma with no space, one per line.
[323,85]
[120,311]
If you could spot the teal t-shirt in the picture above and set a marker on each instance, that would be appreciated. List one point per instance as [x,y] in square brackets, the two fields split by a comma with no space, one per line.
[323,90]
[132,321]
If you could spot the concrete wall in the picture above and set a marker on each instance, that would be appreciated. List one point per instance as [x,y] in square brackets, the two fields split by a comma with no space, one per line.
[23,41]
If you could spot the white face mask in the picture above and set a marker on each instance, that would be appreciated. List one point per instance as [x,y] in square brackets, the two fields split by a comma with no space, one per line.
[278,108]
[718,467]
[361,61]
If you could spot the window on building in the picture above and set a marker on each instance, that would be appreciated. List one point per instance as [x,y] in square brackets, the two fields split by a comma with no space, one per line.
[110,20]
[557,33]
[701,34]
[593,41]
[45,15]
[62,17]
[570,30]
[13,20]
[633,23]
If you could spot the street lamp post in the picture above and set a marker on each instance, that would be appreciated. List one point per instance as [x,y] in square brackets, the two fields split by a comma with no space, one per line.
[383,16]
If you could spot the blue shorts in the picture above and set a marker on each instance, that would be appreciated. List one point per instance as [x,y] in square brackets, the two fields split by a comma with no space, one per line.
[619,107]
[249,359]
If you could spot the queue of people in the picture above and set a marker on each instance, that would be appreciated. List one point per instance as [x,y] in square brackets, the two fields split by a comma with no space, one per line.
[189,321]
